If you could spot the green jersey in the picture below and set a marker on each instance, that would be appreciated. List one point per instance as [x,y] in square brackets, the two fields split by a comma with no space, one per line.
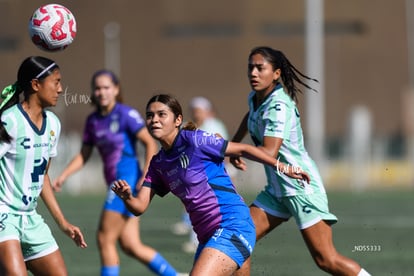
[278,116]
[23,161]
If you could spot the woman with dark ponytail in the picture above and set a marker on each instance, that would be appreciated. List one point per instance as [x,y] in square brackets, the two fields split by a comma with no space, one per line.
[273,122]
[28,139]
[190,165]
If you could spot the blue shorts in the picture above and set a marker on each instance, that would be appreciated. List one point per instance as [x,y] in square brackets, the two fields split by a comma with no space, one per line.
[236,239]
[115,203]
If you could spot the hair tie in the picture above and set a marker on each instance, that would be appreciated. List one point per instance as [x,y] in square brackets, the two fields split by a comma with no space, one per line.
[7,93]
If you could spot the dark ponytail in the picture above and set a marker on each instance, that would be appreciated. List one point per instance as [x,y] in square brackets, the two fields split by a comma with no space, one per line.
[34,67]
[190,126]
[289,73]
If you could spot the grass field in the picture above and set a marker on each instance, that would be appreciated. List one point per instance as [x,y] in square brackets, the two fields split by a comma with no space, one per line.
[375,228]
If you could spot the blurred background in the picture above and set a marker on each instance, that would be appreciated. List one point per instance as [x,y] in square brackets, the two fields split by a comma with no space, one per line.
[359,126]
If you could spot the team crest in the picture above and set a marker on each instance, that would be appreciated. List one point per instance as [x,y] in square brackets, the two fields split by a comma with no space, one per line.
[52,138]
[114,127]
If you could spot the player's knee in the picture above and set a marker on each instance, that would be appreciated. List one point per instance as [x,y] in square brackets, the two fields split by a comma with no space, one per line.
[105,240]
[126,248]
[129,245]
[326,263]
[100,238]
[336,264]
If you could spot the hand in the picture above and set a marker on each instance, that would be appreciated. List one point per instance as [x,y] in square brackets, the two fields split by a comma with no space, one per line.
[122,189]
[293,172]
[298,173]
[238,163]
[75,234]
[58,183]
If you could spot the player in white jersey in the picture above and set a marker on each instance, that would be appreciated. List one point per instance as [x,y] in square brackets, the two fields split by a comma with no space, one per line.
[28,139]
[273,122]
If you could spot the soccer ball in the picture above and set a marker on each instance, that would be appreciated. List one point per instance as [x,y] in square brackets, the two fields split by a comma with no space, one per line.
[52,27]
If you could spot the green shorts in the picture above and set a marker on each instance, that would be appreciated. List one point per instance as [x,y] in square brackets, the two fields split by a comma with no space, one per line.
[306,209]
[33,233]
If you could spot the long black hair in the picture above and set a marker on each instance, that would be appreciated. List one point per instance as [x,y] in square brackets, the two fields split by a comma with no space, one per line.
[34,67]
[289,73]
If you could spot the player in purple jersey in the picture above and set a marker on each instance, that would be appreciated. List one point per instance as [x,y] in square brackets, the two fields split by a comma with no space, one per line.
[114,130]
[190,165]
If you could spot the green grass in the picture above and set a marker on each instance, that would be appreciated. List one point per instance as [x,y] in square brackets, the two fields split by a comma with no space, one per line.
[381,219]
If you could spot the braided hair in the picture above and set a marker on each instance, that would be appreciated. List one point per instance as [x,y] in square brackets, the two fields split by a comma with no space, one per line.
[289,74]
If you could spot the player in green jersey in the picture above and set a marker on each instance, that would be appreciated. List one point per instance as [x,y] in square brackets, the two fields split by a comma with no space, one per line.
[28,139]
[273,122]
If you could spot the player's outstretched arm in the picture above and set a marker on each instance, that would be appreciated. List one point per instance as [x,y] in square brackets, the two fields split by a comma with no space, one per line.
[241,132]
[135,204]
[75,165]
[258,155]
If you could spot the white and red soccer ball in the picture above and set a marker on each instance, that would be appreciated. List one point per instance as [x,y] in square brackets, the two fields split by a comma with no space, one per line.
[52,27]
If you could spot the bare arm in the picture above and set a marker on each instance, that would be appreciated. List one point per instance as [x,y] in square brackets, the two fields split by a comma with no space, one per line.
[136,205]
[271,145]
[241,132]
[151,149]
[52,205]
[260,155]
[76,164]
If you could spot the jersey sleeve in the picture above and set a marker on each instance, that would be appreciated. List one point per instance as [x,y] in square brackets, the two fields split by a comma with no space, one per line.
[275,119]
[211,145]
[54,133]
[154,181]
[134,121]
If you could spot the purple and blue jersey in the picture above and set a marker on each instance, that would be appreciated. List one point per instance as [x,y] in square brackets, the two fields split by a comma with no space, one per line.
[114,135]
[193,170]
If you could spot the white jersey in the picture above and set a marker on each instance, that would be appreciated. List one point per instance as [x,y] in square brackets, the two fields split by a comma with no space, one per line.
[23,161]
[279,117]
